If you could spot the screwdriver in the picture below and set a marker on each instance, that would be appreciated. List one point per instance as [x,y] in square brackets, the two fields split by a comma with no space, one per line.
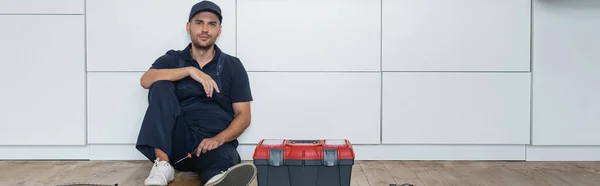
[189,155]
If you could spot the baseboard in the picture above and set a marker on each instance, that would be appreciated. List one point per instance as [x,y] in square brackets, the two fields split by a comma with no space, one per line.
[363,152]
[563,153]
[128,152]
[115,152]
[44,152]
[440,152]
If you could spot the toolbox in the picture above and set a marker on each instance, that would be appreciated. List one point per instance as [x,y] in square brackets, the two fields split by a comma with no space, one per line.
[283,162]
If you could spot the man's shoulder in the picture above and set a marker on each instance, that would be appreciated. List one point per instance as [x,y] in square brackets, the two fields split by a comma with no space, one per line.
[171,54]
[233,61]
[170,59]
[229,58]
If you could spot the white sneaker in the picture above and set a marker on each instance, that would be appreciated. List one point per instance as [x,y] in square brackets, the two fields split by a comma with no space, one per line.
[162,173]
[239,175]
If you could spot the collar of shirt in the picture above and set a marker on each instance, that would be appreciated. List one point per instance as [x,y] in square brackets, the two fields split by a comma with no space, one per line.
[187,55]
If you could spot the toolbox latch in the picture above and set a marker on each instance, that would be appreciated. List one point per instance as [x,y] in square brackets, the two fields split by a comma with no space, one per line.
[275,157]
[330,157]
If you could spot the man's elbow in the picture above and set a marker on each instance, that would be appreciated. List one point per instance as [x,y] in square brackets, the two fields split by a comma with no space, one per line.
[245,116]
[145,81]
[248,119]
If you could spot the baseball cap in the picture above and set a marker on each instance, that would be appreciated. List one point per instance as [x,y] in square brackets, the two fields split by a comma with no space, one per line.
[206,6]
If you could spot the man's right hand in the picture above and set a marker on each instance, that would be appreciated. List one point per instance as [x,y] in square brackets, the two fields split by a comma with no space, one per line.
[204,79]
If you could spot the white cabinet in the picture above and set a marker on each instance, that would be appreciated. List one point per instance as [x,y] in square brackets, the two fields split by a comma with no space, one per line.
[116,107]
[566,73]
[287,105]
[42,93]
[456,108]
[309,35]
[41,6]
[313,105]
[458,35]
[130,35]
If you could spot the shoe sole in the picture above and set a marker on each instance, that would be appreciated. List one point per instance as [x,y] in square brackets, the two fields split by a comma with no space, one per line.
[168,182]
[238,175]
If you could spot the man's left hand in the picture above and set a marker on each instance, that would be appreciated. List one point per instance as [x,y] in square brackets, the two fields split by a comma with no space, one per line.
[208,144]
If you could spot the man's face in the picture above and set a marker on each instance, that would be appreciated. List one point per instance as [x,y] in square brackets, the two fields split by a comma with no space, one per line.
[204,29]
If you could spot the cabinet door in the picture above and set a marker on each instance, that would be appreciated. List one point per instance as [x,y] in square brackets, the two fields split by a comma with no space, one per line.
[41,6]
[456,108]
[313,105]
[42,92]
[286,105]
[456,35]
[129,35]
[566,72]
[116,107]
[309,35]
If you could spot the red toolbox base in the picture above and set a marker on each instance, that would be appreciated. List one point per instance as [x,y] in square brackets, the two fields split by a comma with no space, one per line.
[304,162]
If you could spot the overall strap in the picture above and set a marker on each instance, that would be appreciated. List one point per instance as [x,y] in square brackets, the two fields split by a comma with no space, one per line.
[220,64]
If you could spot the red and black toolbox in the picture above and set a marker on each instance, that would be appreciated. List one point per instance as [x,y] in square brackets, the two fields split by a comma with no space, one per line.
[283,162]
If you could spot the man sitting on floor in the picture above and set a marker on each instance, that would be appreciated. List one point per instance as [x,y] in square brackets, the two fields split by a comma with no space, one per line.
[199,98]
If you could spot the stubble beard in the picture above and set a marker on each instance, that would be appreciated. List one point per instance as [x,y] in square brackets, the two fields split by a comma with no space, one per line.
[200,46]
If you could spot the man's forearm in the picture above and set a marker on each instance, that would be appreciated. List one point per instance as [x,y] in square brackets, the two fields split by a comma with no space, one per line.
[236,128]
[154,75]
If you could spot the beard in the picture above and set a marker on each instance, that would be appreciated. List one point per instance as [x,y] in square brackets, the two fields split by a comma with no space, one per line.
[197,44]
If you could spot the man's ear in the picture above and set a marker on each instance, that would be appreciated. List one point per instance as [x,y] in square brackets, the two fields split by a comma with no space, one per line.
[187,27]
[220,29]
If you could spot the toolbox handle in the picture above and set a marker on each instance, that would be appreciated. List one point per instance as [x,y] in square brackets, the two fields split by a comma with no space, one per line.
[305,141]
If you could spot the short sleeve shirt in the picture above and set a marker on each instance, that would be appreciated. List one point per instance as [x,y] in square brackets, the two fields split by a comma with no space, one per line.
[196,106]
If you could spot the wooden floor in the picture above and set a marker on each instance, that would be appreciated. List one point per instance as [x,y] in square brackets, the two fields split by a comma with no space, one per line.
[364,173]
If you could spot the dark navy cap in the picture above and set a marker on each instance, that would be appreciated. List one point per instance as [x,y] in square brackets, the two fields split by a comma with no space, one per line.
[203,6]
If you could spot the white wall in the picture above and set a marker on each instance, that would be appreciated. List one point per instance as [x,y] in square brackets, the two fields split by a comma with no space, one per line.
[429,80]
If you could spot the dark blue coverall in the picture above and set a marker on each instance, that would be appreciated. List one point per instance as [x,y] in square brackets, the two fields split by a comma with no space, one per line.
[180,115]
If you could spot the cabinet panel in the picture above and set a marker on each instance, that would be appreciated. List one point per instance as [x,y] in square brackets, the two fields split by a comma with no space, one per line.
[41,6]
[456,108]
[313,105]
[136,32]
[282,36]
[566,72]
[116,107]
[287,105]
[42,94]
[459,35]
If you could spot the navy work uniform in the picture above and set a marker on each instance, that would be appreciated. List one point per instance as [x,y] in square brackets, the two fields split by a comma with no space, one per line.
[180,115]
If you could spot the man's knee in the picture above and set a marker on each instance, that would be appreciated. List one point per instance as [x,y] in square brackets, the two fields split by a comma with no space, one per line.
[217,160]
[160,89]
[226,154]
[162,85]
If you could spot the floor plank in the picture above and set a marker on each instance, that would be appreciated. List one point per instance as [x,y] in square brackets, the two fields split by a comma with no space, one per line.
[426,172]
[358,176]
[563,173]
[376,173]
[121,172]
[401,173]
[364,173]
[454,173]
[138,177]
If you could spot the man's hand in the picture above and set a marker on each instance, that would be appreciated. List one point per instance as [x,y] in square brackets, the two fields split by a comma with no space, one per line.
[206,81]
[208,144]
